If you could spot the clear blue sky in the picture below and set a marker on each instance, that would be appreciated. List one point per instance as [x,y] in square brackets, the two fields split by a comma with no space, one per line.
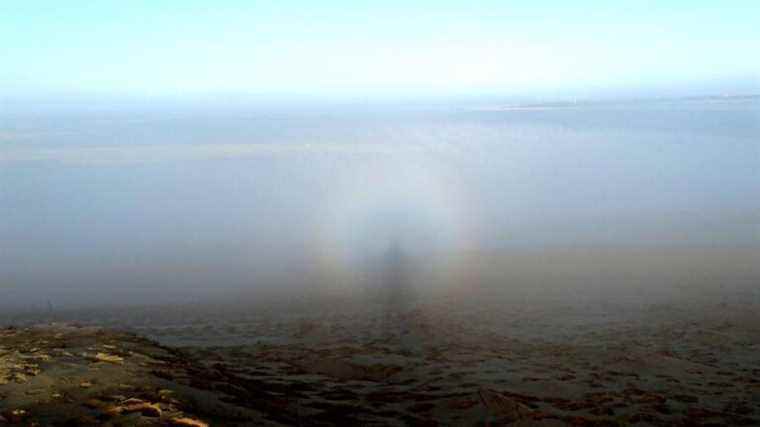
[169,47]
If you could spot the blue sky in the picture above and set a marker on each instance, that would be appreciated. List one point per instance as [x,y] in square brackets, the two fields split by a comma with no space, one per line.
[191,47]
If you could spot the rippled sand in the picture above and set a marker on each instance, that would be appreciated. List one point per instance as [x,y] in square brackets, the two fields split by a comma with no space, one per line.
[473,357]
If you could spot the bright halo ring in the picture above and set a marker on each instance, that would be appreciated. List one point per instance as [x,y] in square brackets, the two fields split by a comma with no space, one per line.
[416,205]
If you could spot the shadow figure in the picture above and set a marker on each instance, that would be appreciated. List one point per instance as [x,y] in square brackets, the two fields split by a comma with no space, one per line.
[398,296]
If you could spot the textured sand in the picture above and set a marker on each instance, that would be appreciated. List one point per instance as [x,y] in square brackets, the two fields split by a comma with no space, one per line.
[459,358]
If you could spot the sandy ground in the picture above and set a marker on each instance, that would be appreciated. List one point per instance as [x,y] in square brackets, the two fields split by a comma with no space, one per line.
[63,375]
[485,359]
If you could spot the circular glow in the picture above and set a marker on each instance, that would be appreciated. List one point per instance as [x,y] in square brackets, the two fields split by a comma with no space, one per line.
[412,204]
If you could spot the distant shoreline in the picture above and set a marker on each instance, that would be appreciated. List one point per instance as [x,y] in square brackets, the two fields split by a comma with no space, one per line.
[618,102]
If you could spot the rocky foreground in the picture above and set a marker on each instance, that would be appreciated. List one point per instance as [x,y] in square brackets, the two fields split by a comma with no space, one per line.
[437,364]
[69,376]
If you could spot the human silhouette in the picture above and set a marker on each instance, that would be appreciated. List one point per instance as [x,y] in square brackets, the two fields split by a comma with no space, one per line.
[396,288]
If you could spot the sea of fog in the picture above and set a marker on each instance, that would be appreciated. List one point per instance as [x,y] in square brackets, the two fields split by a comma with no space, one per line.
[156,204]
